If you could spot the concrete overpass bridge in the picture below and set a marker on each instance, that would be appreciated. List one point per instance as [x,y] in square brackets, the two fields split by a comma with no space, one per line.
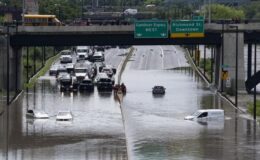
[119,35]
[222,36]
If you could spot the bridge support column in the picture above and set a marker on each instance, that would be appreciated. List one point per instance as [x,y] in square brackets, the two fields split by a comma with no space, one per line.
[249,60]
[229,60]
[10,70]
[217,69]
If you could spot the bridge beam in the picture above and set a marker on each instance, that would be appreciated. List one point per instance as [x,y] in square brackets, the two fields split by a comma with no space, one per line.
[20,40]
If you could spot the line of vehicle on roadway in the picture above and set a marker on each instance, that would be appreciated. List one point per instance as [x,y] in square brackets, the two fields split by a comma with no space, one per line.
[79,69]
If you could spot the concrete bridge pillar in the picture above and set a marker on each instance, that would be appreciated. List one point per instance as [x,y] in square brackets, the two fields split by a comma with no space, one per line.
[217,69]
[229,63]
[10,76]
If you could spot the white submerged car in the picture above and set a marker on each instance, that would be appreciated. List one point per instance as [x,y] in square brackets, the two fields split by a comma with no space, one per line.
[36,114]
[207,115]
[64,116]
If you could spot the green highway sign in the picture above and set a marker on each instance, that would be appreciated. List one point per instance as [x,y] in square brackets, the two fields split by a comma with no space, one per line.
[187,28]
[151,29]
[198,18]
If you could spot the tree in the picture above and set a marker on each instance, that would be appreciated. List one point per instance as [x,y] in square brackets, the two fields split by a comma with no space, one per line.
[224,12]
[252,10]
[64,9]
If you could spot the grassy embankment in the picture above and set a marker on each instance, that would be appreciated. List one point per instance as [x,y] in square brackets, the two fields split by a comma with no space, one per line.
[208,68]
[37,67]
[42,71]
[251,108]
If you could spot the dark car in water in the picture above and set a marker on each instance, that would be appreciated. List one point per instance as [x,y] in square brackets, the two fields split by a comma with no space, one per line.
[65,82]
[158,90]
[86,84]
[104,82]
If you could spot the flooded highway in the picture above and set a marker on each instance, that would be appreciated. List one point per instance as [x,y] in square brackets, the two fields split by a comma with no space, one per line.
[149,127]
[155,125]
[96,131]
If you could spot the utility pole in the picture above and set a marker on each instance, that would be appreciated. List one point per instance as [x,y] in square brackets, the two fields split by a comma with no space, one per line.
[23,12]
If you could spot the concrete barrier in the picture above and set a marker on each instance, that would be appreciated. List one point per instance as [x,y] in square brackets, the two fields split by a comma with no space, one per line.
[121,70]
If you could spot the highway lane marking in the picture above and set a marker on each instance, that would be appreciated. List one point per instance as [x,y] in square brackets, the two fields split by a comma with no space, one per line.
[162,52]
[146,59]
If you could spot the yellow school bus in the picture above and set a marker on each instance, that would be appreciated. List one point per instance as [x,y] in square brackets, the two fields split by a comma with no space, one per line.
[41,20]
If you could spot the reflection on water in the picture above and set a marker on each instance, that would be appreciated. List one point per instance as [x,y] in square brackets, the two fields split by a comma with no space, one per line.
[156,129]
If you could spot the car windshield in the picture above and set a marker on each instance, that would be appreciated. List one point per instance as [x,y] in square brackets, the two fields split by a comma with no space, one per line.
[196,113]
[106,70]
[63,113]
[80,70]
[81,50]
[105,80]
[65,53]
[61,74]
[86,81]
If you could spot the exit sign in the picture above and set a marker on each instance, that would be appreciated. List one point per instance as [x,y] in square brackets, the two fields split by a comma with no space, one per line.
[187,28]
[151,29]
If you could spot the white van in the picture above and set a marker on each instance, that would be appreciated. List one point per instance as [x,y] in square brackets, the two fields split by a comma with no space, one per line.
[206,114]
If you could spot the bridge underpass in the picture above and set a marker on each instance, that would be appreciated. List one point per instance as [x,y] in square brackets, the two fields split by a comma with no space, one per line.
[25,36]
[144,143]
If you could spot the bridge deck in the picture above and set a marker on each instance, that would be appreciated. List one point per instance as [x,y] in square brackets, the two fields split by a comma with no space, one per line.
[118,35]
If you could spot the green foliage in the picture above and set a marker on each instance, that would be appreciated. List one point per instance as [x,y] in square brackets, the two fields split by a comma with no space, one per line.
[175,12]
[1,19]
[64,9]
[156,2]
[224,12]
[251,108]
[252,10]
[38,60]
[12,3]
[45,68]
[208,68]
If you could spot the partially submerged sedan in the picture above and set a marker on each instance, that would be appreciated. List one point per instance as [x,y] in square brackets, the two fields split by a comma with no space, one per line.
[64,116]
[158,90]
[36,114]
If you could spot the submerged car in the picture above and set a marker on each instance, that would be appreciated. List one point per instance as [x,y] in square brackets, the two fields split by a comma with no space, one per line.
[65,82]
[64,116]
[36,114]
[206,114]
[158,90]
[86,84]
[104,82]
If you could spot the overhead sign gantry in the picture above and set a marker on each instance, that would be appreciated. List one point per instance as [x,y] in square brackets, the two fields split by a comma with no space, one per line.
[178,28]
[151,29]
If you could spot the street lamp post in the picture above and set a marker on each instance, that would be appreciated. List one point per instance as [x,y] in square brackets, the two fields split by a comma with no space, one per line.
[222,57]
[58,5]
[236,27]
[23,12]
[209,20]
[82,7]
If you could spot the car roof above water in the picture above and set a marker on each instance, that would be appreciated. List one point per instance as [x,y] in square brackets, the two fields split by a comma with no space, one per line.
[210,110]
